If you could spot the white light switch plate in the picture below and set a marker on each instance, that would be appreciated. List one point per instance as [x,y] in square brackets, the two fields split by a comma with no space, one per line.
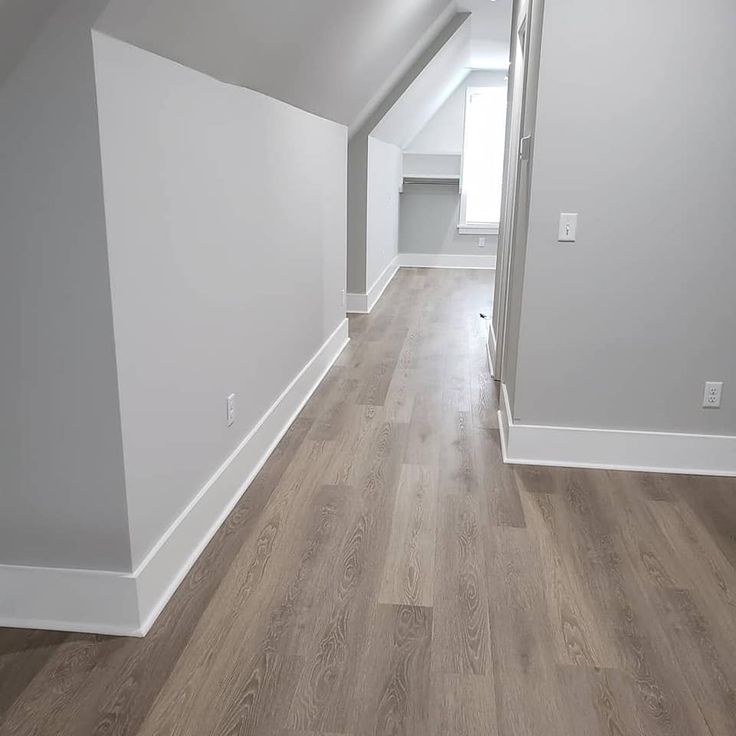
[568,227]
[230,416]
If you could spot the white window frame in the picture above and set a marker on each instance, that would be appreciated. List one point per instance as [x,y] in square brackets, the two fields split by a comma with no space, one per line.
[464,227]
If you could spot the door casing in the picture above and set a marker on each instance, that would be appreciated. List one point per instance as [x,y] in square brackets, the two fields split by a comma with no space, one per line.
[526,42]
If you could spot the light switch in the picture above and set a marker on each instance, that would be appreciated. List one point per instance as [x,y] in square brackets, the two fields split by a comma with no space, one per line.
[568,227]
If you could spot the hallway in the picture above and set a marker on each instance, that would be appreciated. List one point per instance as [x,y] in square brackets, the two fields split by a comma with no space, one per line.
[386,574]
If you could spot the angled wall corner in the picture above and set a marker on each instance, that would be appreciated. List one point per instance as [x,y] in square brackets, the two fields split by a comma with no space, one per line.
[148,260]
[63,494]
[203,276]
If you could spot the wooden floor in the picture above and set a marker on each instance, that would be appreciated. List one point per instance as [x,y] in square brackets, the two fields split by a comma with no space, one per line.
[387,574]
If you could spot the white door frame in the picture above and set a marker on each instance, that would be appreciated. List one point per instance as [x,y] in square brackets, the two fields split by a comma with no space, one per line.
[523,82]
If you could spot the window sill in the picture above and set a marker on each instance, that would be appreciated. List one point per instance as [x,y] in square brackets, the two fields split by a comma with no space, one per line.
[490,229]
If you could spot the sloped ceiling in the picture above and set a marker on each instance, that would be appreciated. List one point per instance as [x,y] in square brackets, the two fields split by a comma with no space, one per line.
[330,57]
[491,30]
[481,44]
[20,21]
[443,134]
[429,91]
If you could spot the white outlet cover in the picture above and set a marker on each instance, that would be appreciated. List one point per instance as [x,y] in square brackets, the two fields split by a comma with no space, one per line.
[712,394]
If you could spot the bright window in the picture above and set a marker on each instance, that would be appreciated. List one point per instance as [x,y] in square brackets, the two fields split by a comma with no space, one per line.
[483,148]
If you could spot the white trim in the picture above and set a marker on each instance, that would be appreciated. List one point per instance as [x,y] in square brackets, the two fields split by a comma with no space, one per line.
[59,599]
[356,303]
[105,602]
[446,260]
[452,179]
[409,152]
[364,303]
[614,449]
[465,229]
[491,348]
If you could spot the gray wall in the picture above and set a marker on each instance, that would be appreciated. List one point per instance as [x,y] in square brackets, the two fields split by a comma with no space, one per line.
[357,213]
[428,223]
[20,21]
[635,131]
[61,466]
[226,215]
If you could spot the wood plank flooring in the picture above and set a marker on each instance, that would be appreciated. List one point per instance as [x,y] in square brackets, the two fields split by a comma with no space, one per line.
[386,574]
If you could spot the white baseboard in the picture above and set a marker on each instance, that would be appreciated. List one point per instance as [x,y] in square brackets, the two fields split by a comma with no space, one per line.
[364,303]
[491,347]
[356,303]
[613,449]
[105,602]
[443,260]
[59,599]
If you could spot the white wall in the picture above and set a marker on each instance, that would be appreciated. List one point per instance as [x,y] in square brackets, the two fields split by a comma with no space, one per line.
[443,133]
[62,494]
[226,216]
[382,227]
[635,133]
[431,165]
[427,92]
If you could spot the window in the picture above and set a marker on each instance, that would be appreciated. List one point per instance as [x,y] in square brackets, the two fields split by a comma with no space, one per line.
[482,168]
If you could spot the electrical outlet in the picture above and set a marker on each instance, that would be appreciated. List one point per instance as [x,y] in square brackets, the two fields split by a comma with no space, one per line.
[230,410]
[342,297]
[481,242]
[712,395]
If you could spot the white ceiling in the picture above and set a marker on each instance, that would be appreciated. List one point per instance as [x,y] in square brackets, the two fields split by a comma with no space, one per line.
[330,57]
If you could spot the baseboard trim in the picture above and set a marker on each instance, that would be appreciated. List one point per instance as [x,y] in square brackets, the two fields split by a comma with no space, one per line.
[444,260]
[61,599]
[127,604]
[613,449]
[364,303]
[491,348]
[357,303]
